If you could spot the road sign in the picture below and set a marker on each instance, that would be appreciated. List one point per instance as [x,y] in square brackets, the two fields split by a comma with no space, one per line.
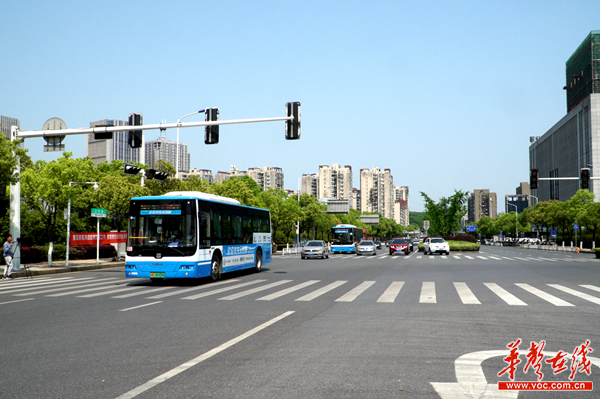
[576,227]
[98,213]
[553,233]
[471,229]
[426,224]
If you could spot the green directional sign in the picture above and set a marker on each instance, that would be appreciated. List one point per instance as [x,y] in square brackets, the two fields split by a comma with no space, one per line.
[98,213]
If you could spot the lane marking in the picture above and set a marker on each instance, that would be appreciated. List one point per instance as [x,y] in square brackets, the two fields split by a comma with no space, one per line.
[191,363]
[579,294]
[220,290]
[466,295]
[427,292]
[516,257]
[254,290]
[535,259]
[390,294]
[287,291]
[18,300]
[469,257]
[140,306]
[80,291]
[505,295]
[202,287]
[481,257]
[321,291]
[544,295]
[355,292]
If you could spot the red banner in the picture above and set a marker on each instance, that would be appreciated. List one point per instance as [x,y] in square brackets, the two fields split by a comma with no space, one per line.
[91,238]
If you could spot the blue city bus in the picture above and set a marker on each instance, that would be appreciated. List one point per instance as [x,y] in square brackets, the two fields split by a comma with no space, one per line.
[189,234]
[344,238]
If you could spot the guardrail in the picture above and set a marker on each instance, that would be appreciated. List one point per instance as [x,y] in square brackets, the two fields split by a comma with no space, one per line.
[290,251]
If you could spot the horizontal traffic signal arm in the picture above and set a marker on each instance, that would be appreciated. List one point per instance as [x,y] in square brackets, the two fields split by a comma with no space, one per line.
[21,134]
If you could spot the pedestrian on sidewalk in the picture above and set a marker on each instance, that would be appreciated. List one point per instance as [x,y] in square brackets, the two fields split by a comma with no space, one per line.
[8,258]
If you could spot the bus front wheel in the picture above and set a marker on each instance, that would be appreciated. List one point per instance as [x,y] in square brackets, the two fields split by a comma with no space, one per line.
[215,272]
[258,261]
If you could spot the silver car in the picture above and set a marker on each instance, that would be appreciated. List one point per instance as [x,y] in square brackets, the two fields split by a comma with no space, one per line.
[366,247]
[315,249]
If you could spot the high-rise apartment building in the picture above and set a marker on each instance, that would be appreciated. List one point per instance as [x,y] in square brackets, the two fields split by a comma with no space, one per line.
[482,203]
[5,125]
[355,200]
[574,141]
[202,174]
[165,149]
[401,205]
[267,177]
[110,149]
[309,184]
[221,176]
[335,181]
[377,191]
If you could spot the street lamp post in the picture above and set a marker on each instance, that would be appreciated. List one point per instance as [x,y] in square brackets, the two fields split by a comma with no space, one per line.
[516,223]
[72,184]
[177,147]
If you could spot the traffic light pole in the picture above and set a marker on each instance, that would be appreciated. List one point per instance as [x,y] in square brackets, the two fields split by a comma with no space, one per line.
[17,134]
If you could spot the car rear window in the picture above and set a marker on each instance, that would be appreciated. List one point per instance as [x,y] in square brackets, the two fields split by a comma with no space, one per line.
[314,244]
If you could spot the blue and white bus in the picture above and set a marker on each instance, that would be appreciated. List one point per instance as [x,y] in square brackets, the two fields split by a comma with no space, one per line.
[344,238]
[189,234]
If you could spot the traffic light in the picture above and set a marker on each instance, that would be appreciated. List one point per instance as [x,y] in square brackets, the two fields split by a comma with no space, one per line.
[135,136]
[292,127]
[533,179]
[211,133]
[150,174]
[129,169]
[585,178]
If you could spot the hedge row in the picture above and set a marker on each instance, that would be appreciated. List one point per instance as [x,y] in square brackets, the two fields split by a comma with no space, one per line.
[597,250]
[39,254]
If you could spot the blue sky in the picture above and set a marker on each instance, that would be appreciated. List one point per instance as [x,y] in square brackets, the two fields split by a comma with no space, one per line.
[444,93]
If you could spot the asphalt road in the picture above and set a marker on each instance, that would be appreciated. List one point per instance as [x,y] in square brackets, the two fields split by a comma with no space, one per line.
[344,327]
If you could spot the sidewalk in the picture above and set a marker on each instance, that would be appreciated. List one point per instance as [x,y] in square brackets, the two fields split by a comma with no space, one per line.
[39,269]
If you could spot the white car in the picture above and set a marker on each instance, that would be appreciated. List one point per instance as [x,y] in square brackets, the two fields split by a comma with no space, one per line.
[366,247]
[434,245]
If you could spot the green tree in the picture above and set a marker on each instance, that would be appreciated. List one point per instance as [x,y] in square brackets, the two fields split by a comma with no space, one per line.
[444,217]
[10,154]
[45,188]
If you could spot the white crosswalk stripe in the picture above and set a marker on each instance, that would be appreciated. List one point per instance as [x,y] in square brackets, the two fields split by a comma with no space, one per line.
[505,295]
[321,291]
[354,293]
[466,295]
[287,291]
[119,289]
[428,292]
[544,295]
[106,281]
[579,294]
[202,287]
[391,292]
[253,290]
[221,290]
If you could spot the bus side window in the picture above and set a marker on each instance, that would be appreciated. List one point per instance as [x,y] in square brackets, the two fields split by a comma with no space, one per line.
[226,225]
[204,229]
[247,229]
[217,233]
[236,222]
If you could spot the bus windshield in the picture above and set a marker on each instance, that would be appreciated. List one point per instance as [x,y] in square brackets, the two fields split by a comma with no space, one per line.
[167,227]
[342,236]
